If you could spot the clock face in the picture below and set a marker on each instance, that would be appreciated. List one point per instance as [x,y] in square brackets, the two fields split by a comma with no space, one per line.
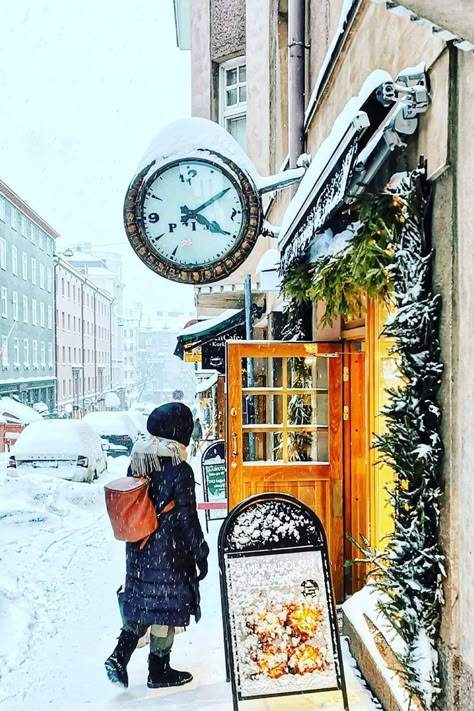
[192,213]
[193,220]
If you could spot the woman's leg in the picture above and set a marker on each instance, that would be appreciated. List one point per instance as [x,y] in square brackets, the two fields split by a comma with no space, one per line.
[160,674]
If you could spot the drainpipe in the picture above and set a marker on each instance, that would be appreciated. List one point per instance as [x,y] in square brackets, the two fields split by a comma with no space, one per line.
[296,80]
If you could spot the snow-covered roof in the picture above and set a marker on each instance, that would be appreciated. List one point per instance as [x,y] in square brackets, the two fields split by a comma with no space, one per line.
[59,437]
[204,324]
[111,423]
[23,413]
[341,27]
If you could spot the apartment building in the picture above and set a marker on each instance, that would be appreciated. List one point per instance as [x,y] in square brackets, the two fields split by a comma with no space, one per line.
[27,244]
[83,341]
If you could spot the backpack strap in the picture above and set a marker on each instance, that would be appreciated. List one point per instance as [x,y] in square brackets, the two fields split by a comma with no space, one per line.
[169,507]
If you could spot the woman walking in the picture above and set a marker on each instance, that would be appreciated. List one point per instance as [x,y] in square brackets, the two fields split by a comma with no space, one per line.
[162,578]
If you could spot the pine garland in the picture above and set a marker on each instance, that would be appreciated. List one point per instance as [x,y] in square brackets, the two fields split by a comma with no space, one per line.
[359,268]
[410,570]
[389,258]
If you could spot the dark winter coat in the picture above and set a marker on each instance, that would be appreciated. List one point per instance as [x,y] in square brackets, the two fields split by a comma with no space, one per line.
[161,583]
[197,431]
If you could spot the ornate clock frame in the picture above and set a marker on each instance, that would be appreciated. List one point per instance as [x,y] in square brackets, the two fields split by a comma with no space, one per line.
[214,271]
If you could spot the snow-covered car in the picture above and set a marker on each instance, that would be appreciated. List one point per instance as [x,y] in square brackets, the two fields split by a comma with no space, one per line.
[138,418]
[68,449]
[116,427]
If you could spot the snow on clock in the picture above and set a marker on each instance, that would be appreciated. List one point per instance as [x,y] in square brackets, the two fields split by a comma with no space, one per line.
[193,210]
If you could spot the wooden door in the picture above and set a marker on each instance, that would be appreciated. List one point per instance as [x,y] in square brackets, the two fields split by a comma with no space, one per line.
[284,429]
[356,460]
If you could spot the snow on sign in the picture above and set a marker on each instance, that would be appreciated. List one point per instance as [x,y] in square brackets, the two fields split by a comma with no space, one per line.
[280,625]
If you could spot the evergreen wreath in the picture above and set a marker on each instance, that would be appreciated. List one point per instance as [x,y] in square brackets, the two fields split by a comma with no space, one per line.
[390,258]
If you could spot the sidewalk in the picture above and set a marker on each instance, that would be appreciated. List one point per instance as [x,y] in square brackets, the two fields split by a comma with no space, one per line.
[62,550]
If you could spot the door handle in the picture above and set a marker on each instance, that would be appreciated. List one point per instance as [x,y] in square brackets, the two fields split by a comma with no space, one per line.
[234,444]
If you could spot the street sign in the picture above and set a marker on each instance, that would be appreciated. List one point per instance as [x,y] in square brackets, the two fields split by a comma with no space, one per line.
[87,402]
[177,395]
[214,480]
[281,634]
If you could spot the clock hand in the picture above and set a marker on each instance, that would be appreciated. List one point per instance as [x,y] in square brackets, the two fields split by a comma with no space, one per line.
[191,214]
[212,226]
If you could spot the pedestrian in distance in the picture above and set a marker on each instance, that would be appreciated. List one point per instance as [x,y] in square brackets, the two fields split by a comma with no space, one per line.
[162,577]
[197,436]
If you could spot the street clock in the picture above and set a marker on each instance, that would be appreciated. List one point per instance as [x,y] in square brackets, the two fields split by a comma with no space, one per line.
[193,212]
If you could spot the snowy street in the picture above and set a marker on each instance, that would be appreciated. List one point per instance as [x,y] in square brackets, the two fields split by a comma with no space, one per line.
[60,567]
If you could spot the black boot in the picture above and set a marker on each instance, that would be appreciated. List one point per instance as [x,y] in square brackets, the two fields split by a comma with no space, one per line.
[116,664]
[161,674]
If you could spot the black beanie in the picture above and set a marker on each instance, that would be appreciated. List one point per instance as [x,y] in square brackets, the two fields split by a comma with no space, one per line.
[172,421]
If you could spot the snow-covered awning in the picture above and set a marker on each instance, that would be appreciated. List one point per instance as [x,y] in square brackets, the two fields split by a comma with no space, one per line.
[346,161]
[204,331]
[207,384]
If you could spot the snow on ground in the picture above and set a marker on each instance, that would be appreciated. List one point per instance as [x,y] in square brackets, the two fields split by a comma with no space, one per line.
[59,570]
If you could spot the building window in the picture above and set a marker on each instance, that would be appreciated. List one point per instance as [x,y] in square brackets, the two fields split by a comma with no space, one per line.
[25,311]
[16,351]
[33,233]
[49,246]
[50,316]
[33,270]
[41,240]
[4,300]
[23,225]
[69,290]
[3,254]
[233,99]
[14,260]
[4,352]
[43,354]
[24,262]
[14,219]
[50,354]
[15,305]
[35,353]
[42,320]
[34,312]
[2,209]
[62,286]
[63,318]
[49,280]
[64,354]
[26,352]
[69,322]
[41,275]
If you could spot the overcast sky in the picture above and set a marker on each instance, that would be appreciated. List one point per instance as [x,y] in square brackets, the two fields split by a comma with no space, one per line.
[84,87]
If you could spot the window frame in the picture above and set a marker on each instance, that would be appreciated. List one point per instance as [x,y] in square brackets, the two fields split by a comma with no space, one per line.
[240,109]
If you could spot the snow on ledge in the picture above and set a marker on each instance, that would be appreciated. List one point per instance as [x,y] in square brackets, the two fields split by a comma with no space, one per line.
[364,603]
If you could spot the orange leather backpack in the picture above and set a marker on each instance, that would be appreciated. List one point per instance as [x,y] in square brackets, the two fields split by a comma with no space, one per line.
[131,511]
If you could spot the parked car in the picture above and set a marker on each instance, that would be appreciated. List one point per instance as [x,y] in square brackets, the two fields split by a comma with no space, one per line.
[138,418]
[115,427]
[67,449]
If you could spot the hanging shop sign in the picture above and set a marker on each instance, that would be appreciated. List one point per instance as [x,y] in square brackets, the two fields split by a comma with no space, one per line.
[280,625]
[193,356]
[213,352]
[213,466]
[193,211]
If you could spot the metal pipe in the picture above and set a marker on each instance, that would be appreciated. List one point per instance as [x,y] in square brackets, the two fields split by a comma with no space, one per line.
[296,79]
[250,402]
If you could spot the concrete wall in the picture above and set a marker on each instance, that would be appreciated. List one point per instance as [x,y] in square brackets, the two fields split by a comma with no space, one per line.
[464,378]
[227,29]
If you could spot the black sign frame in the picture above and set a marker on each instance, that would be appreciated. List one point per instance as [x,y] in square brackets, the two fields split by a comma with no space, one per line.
[309,537]
[215,449]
